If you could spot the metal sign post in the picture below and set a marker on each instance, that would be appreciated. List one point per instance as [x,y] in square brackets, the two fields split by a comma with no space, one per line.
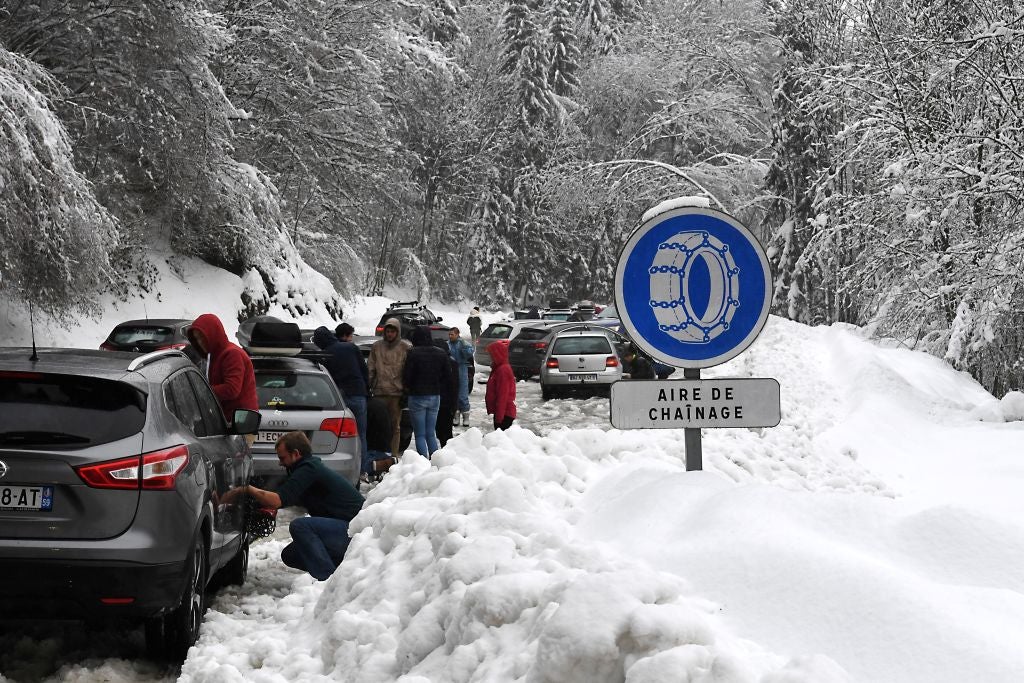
[693,290]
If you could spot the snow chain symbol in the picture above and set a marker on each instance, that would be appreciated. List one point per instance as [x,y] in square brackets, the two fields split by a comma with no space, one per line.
[671,291]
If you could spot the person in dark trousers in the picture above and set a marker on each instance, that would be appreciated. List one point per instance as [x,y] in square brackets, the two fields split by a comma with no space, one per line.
[501,386]
[387,358]
[319,541]
[425,374]
[449,401]
[228,368]
[378,437]
[475,325]
[348,370]
[463,355]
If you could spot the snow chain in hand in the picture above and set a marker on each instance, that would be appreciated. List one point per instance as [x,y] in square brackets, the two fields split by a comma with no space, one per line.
[261,521]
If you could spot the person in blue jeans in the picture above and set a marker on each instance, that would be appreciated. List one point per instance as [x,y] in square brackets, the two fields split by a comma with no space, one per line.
[425,373]
[319,541]
[462,352]
[347,368]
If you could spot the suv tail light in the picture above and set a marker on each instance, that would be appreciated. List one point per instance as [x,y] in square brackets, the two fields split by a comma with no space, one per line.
[341,427]
[107,346]
[539,347]
[552,363]
[158,472]
[611,362]
[379,329]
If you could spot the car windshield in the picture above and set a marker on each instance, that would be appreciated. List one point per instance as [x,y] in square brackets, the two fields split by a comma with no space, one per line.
[581,346]
[133,334]
[40,410]
[295,391]
[497,331]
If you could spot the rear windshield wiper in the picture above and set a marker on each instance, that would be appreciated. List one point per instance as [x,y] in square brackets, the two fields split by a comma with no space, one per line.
[40,437]
[294,406]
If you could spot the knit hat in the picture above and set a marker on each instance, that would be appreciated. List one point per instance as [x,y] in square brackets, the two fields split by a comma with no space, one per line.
[476,309]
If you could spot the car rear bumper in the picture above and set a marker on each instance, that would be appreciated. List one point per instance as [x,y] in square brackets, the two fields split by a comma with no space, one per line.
[65,589]
[562,379]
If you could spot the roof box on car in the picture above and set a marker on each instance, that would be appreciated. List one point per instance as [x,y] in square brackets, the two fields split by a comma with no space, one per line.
[274,339]
[559,303]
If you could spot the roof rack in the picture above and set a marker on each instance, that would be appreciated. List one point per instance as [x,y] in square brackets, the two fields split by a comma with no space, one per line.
[403,304]
[154,356]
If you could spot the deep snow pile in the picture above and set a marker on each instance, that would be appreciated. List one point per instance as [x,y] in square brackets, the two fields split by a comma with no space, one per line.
[589,554]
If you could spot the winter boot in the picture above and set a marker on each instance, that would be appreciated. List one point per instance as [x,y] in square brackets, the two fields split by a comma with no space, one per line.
[465,418]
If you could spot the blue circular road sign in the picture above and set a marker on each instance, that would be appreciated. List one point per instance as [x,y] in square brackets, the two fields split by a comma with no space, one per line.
[693,287]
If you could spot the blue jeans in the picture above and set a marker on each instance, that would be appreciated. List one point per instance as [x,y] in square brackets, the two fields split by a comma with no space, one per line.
[357,404]
[318,544]
[463,388]
[423,415]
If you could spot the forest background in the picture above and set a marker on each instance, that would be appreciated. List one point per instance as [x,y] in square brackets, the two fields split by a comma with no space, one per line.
[875,146]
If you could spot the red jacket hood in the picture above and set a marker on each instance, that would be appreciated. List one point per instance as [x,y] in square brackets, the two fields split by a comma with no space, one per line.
[498,351]
[212,328]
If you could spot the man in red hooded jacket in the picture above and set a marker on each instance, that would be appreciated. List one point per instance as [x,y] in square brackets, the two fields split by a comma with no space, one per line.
[501,386]
[228,368]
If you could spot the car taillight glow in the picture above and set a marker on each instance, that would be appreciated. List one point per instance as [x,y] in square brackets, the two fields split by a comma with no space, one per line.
[611,362]
[552,363]
[342,427]
[158,470]
[117,601]
[16,374]
[540,345]
[172,346]
[380,329]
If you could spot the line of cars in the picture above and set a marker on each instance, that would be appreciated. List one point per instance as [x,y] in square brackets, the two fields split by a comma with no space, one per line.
[568,357]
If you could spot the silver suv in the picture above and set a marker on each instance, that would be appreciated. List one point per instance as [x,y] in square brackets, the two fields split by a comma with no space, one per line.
[111,468]
[586,359]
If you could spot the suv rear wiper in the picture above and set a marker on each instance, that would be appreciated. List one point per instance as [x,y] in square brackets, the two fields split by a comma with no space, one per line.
[40,437]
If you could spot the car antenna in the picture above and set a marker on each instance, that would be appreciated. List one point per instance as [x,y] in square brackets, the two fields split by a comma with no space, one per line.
[32,326]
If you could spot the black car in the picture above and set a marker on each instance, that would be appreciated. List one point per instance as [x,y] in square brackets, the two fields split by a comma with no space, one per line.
[111,468]
[411,315]
[151,334]
[527,350]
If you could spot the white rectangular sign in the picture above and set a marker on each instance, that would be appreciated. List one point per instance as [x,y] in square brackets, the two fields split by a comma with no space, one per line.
[688,403]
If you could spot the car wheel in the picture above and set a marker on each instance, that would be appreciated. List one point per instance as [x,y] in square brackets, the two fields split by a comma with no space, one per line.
[546,394]
[173,634]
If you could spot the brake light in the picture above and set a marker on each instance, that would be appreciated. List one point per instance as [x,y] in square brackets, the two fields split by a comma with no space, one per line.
[341,427]
[158,471]
[15,374]
[107,346]
[117,601]
[611,362]
[552,363]
[379,330]
[172,346]
[540,345]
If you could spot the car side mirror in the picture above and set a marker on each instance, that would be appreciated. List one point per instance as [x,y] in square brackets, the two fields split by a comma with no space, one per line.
[246,422]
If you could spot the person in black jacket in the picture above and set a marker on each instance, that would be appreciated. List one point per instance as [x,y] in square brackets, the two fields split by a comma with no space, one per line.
[426,373]
[449,399]
[347,368]
[637,365]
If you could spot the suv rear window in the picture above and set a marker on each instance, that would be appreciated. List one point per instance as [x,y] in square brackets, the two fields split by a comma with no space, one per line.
[531,334]
[295,391]
[581,346]
[497,331]
[39,410]
[134,334]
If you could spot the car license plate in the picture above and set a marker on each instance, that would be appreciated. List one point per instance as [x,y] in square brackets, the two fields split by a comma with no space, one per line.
[26,498]
[269,437]
[577,377]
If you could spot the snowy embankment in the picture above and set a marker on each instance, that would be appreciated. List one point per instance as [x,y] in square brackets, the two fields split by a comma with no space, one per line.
[858,540]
